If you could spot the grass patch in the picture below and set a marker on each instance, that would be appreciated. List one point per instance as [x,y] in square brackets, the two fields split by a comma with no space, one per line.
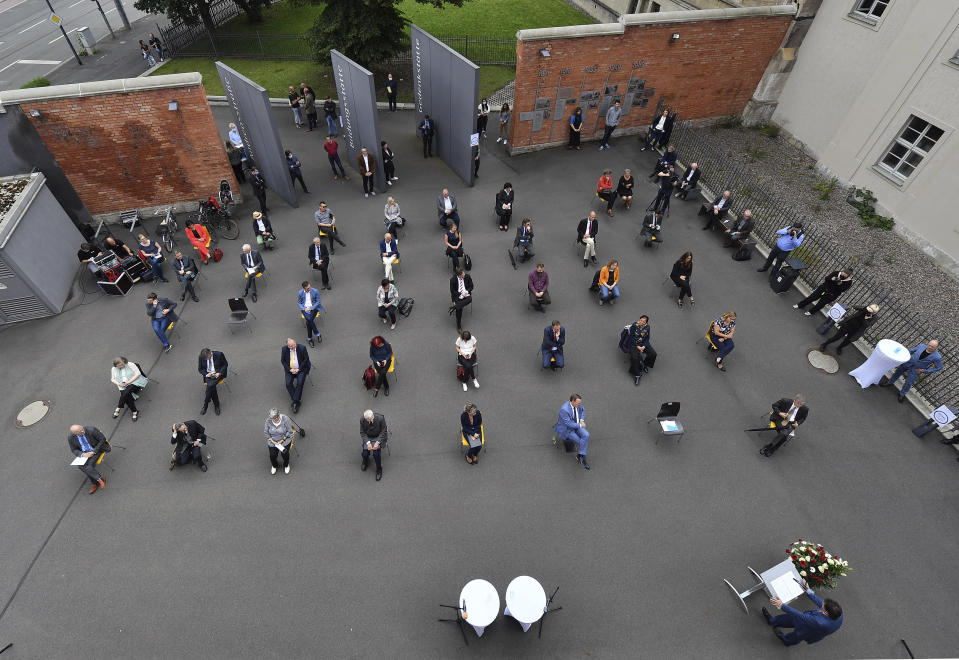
[277,75]
[769,130]
[825,188]
[495,19]
[36,82]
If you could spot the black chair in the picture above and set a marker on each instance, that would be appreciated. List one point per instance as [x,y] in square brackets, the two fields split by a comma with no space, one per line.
[668,420]
[239,313]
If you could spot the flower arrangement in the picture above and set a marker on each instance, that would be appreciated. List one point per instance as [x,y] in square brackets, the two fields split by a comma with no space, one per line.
[815,565]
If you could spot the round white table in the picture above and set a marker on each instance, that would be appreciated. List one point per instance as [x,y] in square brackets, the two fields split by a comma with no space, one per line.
[480,604]
[525,601]
[887,355]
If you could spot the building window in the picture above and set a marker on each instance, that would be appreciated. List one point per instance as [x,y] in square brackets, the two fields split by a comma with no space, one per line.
[869,11]
[913,143]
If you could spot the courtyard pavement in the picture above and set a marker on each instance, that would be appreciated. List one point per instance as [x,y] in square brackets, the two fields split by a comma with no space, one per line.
[326,562]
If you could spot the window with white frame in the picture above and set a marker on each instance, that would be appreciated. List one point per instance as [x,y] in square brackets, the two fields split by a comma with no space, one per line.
[914,142]
[869,11]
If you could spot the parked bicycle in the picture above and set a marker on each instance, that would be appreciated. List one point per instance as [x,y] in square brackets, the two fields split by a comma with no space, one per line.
[167,229]
[217,222]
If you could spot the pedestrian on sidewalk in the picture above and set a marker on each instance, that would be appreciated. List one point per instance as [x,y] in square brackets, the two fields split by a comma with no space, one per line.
[331,148]
[296,173]
[329,107]
[309,104]
[295,103]
[389,170]
[147,54]
[156,46]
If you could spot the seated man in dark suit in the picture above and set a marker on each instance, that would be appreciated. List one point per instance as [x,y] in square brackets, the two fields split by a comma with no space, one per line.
[90,443]
[212,366]
[296,365]
[252,266]
[446,209]
[785,417]
[461,295]
[373,437]
[688,181]
[554,337]
[716,211]
[739,231]
[523,242]
[187,437]
[185,270]
[810,626]
[320,260]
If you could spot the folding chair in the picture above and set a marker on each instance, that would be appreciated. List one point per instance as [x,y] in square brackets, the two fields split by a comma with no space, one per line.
[669,423]
[392,369]
[710,346]
[239,313]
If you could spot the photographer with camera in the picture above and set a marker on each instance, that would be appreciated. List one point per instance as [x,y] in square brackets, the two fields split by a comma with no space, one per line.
[790,238]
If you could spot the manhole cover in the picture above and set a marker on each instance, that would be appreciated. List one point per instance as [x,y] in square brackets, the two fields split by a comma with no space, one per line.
[823,361]
[32,413]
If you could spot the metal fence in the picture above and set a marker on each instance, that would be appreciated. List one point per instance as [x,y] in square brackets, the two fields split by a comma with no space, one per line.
[178,35]
[896,320]
[254,45]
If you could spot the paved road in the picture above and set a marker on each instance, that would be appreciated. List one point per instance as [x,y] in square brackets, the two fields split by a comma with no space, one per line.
[31,46]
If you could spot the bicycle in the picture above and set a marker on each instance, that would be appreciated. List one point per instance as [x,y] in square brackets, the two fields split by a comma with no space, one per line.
[217,222]
[167,229]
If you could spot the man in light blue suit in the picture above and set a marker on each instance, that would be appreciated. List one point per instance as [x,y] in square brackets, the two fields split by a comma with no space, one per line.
[308,300]
[923,359]
[571,426]
[809,626]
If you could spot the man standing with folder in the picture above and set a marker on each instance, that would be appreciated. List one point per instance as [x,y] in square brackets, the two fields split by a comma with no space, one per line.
[810,626]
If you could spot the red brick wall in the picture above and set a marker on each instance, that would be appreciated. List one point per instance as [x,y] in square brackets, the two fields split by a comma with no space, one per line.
[127,150]
[712,70]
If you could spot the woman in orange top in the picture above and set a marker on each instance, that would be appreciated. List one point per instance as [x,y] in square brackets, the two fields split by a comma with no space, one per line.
[609,282]
[604,190]
[199,237]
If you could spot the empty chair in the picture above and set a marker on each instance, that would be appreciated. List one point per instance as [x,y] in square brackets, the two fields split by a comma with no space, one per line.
[668,420]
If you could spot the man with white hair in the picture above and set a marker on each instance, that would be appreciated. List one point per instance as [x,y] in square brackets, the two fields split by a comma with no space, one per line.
[252,267]
[90,443]
[785,417]
[373,437]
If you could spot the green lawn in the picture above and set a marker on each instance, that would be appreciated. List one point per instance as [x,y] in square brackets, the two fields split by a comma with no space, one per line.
[498,19]
[277,75]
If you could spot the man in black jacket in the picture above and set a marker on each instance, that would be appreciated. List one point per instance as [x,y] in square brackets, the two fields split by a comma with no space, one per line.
[852,327]
[185,270]
[835,284]
[586,232]
[716,211]
[461,295]
[320,260]
[688,181]
[642,355]
[90,443]
[259,188]
[188,436]
[373,437]
[296,365]
[739,231]
[252,267]
[213,367]
[504,206]
[786,416]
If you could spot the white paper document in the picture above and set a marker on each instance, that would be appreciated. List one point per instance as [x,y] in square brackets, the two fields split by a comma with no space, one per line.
[669,425]
[785,588]
[251,271]
[79,460]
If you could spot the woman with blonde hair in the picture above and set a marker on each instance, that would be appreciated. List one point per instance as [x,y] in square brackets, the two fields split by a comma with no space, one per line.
[472,423]
[721,335]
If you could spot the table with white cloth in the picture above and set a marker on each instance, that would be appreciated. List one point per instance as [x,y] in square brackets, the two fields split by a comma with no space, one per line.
[479,604]
[887,355]
[525,601]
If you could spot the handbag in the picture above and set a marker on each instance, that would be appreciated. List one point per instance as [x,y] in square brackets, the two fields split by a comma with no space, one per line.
[460,372]
[467,262]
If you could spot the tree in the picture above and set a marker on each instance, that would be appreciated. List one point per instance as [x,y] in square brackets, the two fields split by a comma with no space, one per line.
[189,11]
[366,31]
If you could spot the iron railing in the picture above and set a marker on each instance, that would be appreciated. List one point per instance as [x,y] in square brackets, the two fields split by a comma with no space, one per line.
[177,35]
[896,319]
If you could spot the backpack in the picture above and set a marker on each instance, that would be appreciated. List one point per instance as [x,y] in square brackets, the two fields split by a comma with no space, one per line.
[624,339]
[369,377]
[744,253]
[217,254]
[405,307]
[595,285]
[467,262]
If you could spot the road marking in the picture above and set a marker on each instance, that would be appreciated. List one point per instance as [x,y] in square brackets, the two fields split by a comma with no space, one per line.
[109,10]
[32,26]
[80,2]
[61,37]
[30,62]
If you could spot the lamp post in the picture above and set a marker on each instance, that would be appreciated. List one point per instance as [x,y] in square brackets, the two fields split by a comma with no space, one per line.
[105,19]
[65,37]
[122,14]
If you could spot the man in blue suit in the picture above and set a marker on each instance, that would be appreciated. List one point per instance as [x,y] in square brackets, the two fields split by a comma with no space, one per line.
[308,300]
[554,336]
[571,426]
[296,364]
[923,359]
[809,626]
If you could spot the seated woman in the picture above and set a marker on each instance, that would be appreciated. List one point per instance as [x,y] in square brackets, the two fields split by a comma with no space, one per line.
[721,335]
[609,282]
[391,216]
[199,237]
[454,245]
[152,253]
[263,231]
[128,379]
[466,358]
[381,354]
[387,298]
[604,190]
[681,273]
[625,188]
[472,423]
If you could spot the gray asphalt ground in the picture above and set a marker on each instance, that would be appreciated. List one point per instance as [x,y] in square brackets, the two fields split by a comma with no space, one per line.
[325,562]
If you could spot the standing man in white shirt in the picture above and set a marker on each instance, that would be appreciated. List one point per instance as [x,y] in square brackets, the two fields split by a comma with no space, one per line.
[656,130]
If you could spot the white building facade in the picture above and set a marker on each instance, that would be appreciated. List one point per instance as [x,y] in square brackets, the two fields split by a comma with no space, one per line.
[874,96]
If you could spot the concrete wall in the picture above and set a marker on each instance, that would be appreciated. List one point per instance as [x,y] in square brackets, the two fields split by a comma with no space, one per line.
[712,70]
[120,145]
[852,90]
